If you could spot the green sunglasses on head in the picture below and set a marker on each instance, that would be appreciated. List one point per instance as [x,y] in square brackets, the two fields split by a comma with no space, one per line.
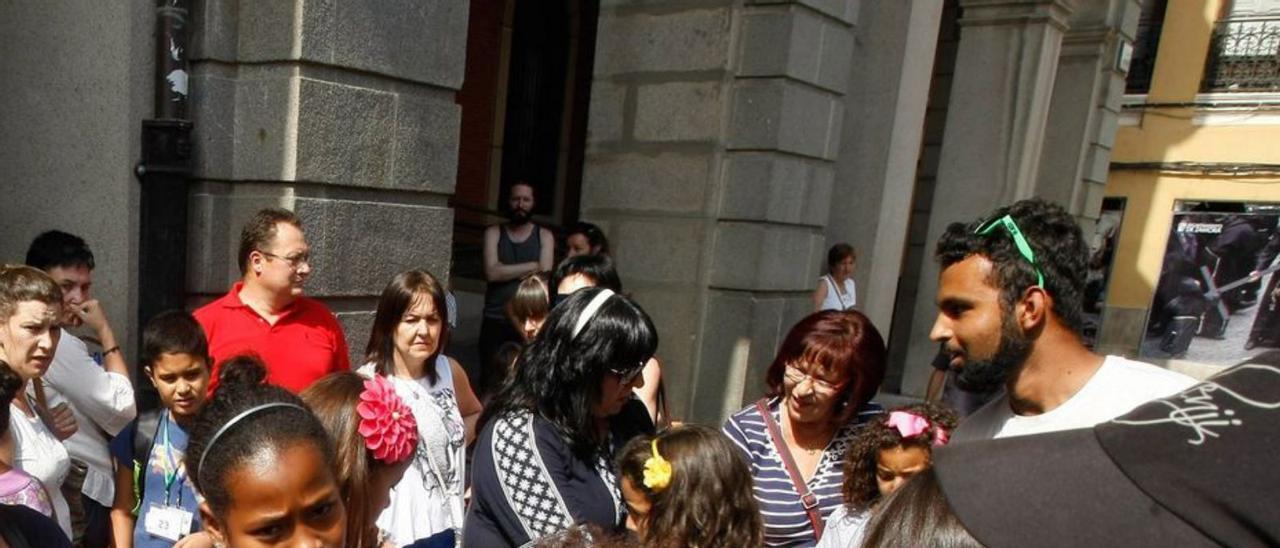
[1018,240]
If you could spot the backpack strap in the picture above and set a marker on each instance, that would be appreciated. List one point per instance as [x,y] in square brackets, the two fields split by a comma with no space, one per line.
[807,498]
[144,439]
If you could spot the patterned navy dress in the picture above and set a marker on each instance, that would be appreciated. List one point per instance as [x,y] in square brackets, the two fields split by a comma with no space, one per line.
[527,483]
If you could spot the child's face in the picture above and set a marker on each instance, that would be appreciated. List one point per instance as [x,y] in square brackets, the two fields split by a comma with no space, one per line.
[896,465]
[182,381]
[285,498]
[637,506]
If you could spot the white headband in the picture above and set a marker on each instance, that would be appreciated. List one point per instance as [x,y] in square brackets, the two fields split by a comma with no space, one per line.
[590,310]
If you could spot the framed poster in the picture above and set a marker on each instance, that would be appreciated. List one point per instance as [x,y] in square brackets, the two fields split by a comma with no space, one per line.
[1216,299]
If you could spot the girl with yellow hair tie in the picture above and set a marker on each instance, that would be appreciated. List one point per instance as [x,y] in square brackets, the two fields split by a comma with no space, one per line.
[687,486]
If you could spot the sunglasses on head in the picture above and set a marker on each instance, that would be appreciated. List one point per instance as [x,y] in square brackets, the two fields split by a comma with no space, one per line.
[1019,241]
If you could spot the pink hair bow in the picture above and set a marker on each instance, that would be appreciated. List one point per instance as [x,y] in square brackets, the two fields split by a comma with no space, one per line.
[910,425]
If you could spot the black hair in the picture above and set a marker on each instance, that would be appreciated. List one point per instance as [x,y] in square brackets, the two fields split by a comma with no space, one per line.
[558,376]
[173,332]
[10,384]
[241,387]
[595,237]
[55,248]
[1060,251]
[599,268]
[917,514]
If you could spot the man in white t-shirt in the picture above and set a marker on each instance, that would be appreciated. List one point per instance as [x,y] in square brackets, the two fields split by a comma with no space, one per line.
[1010,314]
[99,398]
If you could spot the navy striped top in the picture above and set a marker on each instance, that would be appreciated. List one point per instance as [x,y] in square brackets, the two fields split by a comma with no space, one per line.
[785,521]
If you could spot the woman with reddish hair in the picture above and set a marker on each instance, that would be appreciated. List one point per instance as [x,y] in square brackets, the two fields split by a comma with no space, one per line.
[820,386]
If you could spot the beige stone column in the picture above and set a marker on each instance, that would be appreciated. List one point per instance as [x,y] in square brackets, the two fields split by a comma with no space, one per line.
[1085,107]
[713,130]
[1004,78]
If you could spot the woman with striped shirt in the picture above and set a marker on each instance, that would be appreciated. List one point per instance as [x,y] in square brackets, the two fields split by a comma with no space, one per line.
[819,390]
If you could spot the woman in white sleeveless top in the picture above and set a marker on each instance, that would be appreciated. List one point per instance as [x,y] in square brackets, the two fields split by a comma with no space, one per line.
[836,290]
[405,346]
[30,305]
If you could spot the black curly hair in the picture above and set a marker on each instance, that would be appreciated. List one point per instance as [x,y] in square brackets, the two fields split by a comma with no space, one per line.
[1060,252]
[241,387]
[859,488]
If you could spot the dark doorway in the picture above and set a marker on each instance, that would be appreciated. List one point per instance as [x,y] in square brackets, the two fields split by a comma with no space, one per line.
[524,104]
[524,115]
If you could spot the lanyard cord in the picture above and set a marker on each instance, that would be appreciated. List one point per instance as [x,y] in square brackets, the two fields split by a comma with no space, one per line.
[167,461]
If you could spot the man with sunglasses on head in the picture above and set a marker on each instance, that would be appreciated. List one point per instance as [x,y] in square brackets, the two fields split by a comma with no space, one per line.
[1010,313]
[265,313]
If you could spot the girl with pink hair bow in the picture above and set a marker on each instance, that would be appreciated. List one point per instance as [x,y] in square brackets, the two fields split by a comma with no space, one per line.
[884,455]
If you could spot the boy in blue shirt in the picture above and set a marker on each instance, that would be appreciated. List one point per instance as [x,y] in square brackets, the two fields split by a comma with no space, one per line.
[155,503]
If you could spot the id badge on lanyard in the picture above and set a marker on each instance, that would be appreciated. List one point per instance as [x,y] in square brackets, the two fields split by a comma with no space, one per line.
[167,521]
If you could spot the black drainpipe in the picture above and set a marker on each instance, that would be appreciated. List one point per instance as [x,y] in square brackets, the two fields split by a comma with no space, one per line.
[164,171]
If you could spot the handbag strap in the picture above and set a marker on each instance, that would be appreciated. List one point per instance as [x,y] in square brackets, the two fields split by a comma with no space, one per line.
[807,498]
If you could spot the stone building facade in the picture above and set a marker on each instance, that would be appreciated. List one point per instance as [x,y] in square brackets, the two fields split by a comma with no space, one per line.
[725,145]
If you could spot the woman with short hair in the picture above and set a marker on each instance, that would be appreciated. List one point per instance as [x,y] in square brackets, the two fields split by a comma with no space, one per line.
[30,308]
[837,290]
[820,386]
[543,461]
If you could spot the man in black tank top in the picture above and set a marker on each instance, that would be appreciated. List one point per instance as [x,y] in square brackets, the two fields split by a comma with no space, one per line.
[511,250]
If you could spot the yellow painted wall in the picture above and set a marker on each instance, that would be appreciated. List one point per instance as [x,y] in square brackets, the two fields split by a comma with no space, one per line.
[1184,44]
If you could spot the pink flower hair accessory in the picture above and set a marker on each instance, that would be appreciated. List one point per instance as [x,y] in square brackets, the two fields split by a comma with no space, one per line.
[386,423]
[910,425]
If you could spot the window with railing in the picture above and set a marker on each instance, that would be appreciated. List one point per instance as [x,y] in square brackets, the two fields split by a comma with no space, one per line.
[1244,52]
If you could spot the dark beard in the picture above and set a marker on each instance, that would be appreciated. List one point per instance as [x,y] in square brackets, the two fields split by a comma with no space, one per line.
[988,375]
[518,216]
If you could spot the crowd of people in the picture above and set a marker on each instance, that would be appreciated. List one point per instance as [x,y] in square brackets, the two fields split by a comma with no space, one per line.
[265,435]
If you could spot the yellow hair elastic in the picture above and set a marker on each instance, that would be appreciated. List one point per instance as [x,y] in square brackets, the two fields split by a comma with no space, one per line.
[657,470]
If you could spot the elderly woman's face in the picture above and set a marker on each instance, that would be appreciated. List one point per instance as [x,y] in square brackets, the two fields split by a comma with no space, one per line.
[810,393]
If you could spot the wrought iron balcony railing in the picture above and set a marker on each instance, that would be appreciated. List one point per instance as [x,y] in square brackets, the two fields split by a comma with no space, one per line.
[1244,55]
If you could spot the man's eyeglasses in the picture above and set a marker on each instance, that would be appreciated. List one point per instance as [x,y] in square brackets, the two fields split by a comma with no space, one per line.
[795,376]
[294,261]
[1019,241]
[626,376]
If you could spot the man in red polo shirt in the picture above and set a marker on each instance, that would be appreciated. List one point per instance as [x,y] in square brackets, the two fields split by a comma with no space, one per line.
[265,313]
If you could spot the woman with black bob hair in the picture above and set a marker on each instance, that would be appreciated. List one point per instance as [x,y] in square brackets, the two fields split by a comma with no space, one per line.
[264,465]
[584,271]
[543,459]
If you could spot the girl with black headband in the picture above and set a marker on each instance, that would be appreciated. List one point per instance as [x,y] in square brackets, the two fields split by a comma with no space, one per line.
[543,461]
[264,465]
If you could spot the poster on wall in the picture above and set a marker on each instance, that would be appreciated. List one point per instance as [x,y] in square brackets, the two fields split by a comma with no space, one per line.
[1102,246]
[1216,299]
